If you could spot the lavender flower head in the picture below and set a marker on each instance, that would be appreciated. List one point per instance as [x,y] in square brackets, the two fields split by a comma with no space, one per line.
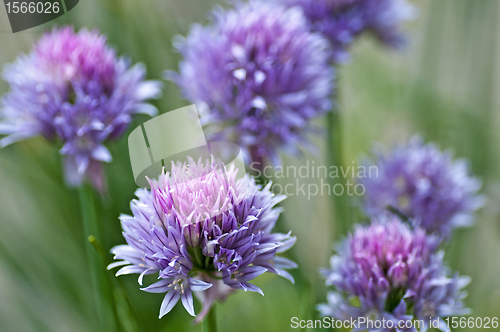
[387,271]
[202,230]
[343,20]
[72,87]
[426,185]
[258,77]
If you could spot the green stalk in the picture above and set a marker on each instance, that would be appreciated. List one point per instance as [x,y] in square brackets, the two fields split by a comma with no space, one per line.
[334,158]
[210,322]
[100,282]
[126,315]
[301,279]
[334,155]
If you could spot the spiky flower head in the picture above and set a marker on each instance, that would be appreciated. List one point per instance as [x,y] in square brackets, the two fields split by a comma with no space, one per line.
[202,230]
[341,21]
[425,184]
[389,272]
[258,76]
[73,88]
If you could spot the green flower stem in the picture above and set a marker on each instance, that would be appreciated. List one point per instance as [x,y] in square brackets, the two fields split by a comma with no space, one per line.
[334,158]
[210,322]
[341,203]
[334,154]
[126,313]
[305,285]
[100,280]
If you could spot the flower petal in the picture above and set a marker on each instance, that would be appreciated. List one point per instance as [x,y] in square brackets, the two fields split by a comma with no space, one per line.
[169,302]
[198,285]
[130,269]
[161,286]
[187,301]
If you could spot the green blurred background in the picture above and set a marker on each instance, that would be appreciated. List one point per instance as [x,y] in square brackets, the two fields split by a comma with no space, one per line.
[445,86]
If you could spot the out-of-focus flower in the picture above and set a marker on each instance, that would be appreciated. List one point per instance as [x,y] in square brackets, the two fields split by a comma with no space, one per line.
[202,229]
[258,76]
[343,20]
[387,271]
[72,87]
[426,185]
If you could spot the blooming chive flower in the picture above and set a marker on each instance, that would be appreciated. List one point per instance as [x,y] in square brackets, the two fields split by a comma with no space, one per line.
[258,76]
[72,87]
[343,20]
[424,184]
[202,229]
[386,271]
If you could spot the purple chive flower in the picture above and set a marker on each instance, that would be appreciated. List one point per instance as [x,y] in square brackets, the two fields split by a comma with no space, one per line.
[387,271]
[426,185]
[202,229]
[343,20]
[72,87]
[258,76]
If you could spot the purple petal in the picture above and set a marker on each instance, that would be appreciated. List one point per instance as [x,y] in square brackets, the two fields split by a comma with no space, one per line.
[285,274]
[284,263]
[101,153]
[198,285]
[187,301]
[161,286]
[130,269]
[170,300]
[251,272]
[252,288]
[116,264]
